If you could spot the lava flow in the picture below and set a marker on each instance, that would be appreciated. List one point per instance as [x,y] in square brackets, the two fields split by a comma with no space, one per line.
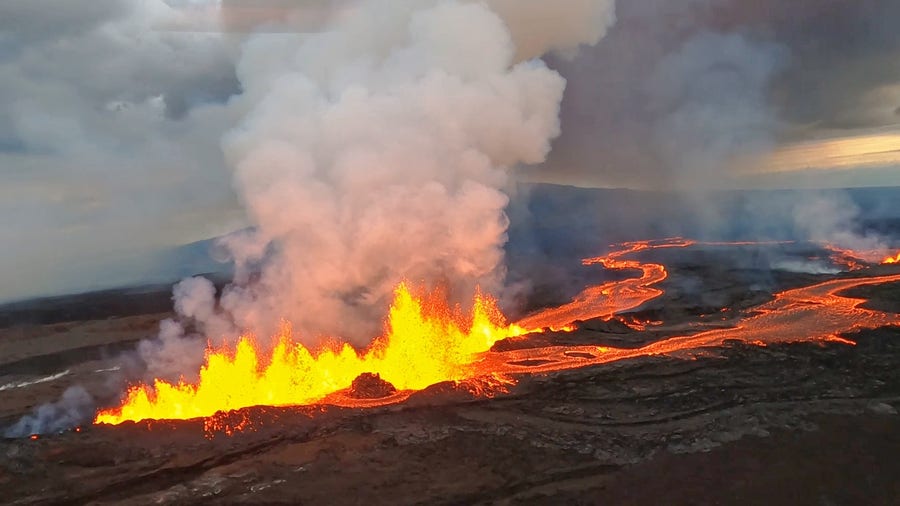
[815,313]
[856,260]
[427,342]
[848,259]
[603,301]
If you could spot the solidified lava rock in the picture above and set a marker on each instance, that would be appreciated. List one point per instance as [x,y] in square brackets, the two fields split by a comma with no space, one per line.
[370,386]
[612,326]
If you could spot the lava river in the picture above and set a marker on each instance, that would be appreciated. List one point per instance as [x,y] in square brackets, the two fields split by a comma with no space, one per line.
[427,342]
[813,313]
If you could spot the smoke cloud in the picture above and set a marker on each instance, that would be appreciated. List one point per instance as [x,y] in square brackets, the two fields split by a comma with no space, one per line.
[376,152]
[363,154]
[109,141]
[381,145]
[690,96]
[831,217]
[709,103]
[76,406]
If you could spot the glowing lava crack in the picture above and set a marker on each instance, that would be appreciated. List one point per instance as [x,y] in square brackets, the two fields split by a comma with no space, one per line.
[427,342]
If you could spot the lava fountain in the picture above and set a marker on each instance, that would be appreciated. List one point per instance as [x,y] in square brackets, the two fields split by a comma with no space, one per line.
[425,342]
[892,260]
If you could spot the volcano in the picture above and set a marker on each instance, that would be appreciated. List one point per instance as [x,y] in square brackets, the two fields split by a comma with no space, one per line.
[563,403]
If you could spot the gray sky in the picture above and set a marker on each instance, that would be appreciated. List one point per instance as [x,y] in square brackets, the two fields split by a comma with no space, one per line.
[114,112]
[734,93]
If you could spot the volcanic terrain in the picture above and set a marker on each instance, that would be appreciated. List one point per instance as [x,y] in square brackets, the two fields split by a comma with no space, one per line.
[711,392]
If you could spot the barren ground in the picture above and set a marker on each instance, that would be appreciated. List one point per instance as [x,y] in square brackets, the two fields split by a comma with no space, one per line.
[784,424]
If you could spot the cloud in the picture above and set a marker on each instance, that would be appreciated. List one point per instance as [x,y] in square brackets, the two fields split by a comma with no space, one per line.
[674,123]
[111,143]
[111,137]
[74,407]
[708,101]
[846,64]
[110,140]
[798,70]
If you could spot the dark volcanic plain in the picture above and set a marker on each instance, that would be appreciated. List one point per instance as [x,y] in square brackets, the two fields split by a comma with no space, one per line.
[785,424]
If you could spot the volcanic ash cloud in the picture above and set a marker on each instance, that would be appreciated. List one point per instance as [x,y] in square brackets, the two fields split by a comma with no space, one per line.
[376,151]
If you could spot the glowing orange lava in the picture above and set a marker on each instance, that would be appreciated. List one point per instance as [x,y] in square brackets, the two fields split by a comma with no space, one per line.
[855,260]
[603,301]
[425,342]
[814,313]
[846,258]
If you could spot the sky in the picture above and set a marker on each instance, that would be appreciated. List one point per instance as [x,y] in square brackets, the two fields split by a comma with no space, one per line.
[115,111]
[734,94]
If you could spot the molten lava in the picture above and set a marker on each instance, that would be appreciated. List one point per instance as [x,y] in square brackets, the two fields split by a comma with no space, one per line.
[815,313]
[848,259]
[855,260]
[425,342]
[603,301]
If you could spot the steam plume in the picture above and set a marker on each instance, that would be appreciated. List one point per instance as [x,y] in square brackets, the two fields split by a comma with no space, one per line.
[378,151]
[75,406]
[831,217]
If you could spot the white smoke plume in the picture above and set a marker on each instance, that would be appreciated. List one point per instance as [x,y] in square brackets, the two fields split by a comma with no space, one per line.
[831,217]
[74,407]
[374,151]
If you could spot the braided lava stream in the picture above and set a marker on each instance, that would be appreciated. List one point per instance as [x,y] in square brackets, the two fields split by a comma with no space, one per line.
[427,341]
[813,313]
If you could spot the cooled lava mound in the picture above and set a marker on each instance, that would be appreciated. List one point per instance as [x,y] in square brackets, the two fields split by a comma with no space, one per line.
[370,386]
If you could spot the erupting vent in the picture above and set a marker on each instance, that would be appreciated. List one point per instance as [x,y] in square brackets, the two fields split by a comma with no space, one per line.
[426,342]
